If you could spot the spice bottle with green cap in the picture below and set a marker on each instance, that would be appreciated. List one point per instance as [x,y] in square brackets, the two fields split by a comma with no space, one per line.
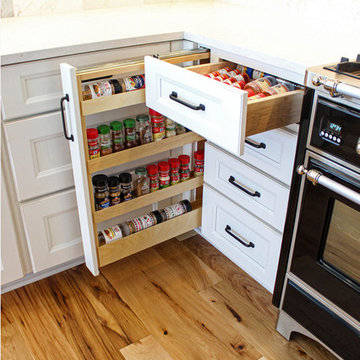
[142,183]
[130,133]
[105,140]
[117,136]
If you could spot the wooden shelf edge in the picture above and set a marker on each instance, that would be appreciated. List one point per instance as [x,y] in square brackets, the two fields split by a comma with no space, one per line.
[139,152]
[148,199]
[149,237]
[106,103]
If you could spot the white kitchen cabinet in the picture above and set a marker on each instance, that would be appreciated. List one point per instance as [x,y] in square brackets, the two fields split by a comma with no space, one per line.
[39,156]
[11,268]
[247,241]
[52,230]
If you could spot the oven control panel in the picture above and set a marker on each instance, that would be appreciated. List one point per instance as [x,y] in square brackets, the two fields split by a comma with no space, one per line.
[332,133]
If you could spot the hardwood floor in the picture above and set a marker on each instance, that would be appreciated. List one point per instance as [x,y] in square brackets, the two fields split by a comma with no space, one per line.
[175,301]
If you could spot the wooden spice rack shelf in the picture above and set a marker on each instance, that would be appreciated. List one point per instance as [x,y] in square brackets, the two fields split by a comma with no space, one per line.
[149,237]
[148,199]
[141,151]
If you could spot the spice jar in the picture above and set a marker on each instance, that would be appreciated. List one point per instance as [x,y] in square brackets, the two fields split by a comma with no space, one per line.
[158,125]
[114,190]
[132,83]
[153,174]
[130,133]
[105,140]
[144,222]
[184,167]
[260,85]
[170,128]
[180,129]
[110,234]
[199,163]
[93,143]
[279,88]
[101,88]
[174,171]
[144,128]
[101,191]
[164,174]
[142,183]
[172,211]
[126,186]
[117,136]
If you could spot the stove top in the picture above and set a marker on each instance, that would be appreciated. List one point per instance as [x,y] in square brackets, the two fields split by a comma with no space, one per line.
[346,67]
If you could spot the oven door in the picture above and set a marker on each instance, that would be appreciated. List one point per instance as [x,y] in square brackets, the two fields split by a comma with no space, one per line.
[327,246]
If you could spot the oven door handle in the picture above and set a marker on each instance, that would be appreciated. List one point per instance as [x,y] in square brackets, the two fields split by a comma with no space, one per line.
[316,177]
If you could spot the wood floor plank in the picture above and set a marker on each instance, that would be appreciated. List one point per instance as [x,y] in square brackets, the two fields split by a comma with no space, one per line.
[259,328]
[241,281]
[195,314]
[13,344]
[194,271]
[145,349]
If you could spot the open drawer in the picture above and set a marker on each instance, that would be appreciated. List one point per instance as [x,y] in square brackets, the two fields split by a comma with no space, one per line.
[218,112]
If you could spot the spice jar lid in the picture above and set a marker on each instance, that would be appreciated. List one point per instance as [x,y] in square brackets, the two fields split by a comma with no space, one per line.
[159,218]
[152,169]
[113,181]
[92,133]
[164,166]
[184,159]
[125,177]
[116,125]
[199,155]
[142,117]
[129,123]
[174,162]
[140,171]
[117,86]
[154,113]
[100,180]
[103,129]
[187,205]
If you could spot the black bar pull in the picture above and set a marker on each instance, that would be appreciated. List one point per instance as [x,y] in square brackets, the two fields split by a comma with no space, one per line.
[174,96]
[241,241]
[66,97]
[255,144]
[232,181]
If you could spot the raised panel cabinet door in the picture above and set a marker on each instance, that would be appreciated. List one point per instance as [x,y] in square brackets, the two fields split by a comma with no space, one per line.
[52,230]
[35,87]
[40,156]
[11,268]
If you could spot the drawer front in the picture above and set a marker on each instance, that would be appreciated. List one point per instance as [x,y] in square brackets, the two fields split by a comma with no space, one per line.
[220,120]
[40,155]
[276,154]
[52,230]
[264,197]
[259,261]
[36,86]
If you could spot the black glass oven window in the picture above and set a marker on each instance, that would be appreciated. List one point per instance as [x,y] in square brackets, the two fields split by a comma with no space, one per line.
[342,247]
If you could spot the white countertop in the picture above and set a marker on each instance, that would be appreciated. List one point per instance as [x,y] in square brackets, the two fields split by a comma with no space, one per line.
[288,39]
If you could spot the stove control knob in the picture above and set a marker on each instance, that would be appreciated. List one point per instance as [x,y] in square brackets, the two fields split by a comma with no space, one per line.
[358,146]
[317,80]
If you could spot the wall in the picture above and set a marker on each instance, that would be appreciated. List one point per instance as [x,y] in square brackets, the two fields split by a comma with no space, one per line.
[10,8]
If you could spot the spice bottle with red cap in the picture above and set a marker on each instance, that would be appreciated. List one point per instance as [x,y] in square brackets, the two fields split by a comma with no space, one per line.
[199,163]
[174,171]
[164,174]
[184,167]
[93,143]
[153,174]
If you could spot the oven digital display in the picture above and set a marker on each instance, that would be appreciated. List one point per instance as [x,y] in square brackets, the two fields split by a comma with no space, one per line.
[336,128]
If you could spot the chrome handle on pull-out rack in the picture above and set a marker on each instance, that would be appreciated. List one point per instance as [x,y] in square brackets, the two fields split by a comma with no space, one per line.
[316,177]
[336,88]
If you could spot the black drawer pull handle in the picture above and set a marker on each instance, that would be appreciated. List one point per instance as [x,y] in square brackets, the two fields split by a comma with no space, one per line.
[174,96]
[255,144]
[236,237]
[66,97]
[243,188]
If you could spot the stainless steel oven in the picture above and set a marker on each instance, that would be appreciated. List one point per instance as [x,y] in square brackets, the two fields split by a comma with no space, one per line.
[318,284]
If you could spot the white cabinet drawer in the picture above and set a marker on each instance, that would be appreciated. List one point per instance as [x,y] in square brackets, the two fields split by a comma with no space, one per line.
[52,230]
[36,86]
[40,156]
[275,155]
[223,223]
[264,197]
[222,114]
